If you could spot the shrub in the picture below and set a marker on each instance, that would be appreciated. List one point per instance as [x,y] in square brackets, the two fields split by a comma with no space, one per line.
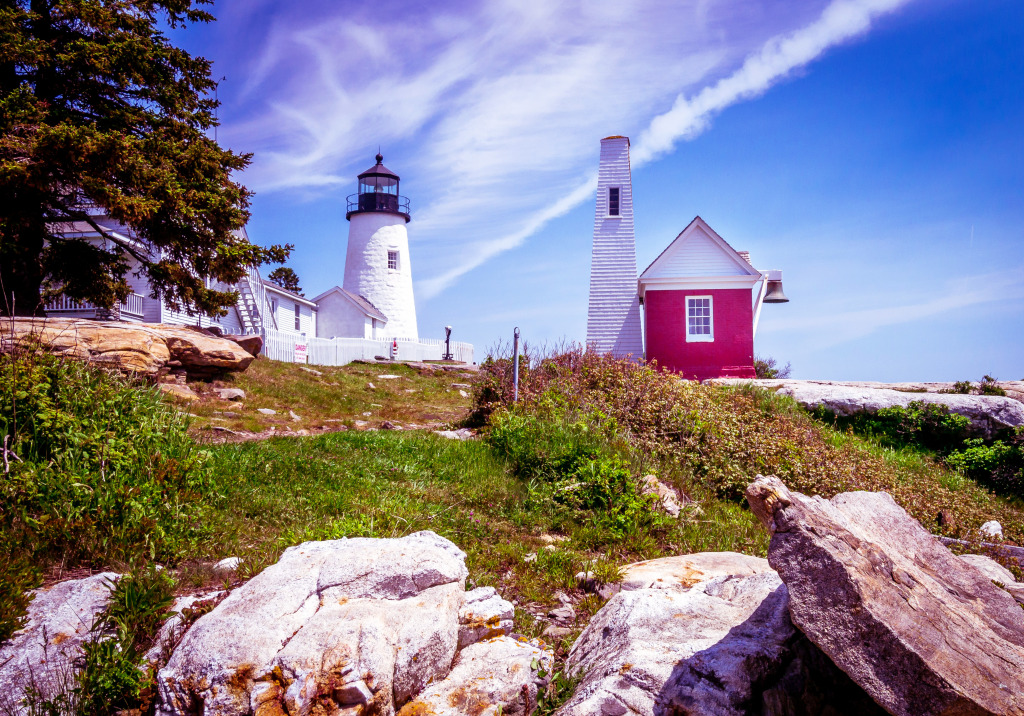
[99,469]
[575,466]
[717,439]
[928,425]
[1000,464]
[767,367]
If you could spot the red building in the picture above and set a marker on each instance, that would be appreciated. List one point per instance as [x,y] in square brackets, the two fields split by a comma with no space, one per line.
[701,302]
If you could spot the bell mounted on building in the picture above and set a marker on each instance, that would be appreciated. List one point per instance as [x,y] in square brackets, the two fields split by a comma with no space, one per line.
[773,291]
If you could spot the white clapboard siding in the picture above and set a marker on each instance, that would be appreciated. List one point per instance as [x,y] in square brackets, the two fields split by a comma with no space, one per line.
[697,255]
[613,315]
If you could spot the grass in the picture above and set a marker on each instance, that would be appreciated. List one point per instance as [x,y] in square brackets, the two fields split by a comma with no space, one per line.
[280,492]
[351,396]
[550,491]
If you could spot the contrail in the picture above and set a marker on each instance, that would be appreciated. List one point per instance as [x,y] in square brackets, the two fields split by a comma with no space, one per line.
[689,116]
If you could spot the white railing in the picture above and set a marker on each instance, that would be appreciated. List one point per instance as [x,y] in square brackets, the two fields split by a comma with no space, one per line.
[278,345]
[134,305]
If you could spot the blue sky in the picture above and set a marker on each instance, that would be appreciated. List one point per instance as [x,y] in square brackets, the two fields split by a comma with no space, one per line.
[872,149]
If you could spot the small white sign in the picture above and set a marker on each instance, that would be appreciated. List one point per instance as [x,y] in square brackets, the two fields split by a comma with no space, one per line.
[301,353]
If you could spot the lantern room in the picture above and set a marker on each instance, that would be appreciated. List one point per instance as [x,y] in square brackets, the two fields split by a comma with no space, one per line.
[378,192]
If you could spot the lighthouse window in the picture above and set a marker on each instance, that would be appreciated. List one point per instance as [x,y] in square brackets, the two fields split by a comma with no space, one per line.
[392,260]
[699,323]
[613,201]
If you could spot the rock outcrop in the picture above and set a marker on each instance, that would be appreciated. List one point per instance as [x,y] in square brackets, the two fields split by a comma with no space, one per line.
[988,414]
[484,615]
[145,349]
[917,628]
[59,621]
[352,626]
[703,641]
[495,677]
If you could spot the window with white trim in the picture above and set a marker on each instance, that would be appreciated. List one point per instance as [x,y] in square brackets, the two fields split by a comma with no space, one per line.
[613,201]
[298,317]
[700,326]
[392,260]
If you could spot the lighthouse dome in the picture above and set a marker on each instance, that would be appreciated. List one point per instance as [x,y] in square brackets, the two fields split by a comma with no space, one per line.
[378,192]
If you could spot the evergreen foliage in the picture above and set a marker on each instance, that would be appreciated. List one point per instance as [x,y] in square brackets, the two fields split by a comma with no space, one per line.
[287,279]
[99,108]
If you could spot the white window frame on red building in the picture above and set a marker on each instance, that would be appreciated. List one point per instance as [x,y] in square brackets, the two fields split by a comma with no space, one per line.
[702,337]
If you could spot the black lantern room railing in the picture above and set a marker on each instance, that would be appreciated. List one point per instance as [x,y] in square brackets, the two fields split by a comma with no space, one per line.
[378,191]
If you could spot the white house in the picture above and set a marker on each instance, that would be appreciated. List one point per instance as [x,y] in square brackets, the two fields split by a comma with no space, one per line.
[345,314]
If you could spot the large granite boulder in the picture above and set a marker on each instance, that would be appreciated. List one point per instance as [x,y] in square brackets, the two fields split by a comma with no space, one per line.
[60,620]
[917,628]
[363,624]
[699,640]
[989,414]
[148,349]
[495,677]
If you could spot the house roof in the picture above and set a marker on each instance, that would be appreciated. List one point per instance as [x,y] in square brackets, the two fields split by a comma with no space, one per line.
[691,230]
[360,302]
[273,287]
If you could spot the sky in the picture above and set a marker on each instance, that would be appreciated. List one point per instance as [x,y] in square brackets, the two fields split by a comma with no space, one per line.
[871,149]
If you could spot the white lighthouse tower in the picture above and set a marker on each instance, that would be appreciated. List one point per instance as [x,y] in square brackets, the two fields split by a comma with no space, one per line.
[377,265]
[613,318]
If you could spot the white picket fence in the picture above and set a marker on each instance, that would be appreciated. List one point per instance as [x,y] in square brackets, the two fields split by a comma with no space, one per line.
[340,351]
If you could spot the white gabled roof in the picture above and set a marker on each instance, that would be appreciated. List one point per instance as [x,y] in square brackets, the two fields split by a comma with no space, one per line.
[274,288]
[699,257]
[359,302]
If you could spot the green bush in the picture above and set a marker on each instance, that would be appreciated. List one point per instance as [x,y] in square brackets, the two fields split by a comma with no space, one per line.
[768,367]
[1000,464]
[928,425]
[99,470]
[574,465]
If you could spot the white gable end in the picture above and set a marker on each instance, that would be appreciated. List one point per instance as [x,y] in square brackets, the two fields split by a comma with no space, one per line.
[698,255]
[697,252]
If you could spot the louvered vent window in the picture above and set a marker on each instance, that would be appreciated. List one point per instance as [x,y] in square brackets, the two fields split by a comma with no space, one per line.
[613,201]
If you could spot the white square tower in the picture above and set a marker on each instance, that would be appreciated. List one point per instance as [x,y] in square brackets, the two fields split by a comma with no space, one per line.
[613,318]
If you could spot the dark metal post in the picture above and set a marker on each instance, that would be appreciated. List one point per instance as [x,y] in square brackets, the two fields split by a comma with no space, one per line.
[447,343]
[515,366]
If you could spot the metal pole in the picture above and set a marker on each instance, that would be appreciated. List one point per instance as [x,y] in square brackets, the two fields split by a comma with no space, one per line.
[515,366]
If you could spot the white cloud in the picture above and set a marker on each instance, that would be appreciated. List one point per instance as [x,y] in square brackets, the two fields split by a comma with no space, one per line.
[825,328]
[493,112]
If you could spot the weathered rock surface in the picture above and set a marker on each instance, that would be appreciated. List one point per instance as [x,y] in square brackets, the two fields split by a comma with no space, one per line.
[484,615]
[178,392]
[723,645]
[997,573]
[59,622]
[495,677]
[683,571]
[915,627]
[250,344]
[141,348]
[230,393]
[358,623]
[670,499]
[988,413]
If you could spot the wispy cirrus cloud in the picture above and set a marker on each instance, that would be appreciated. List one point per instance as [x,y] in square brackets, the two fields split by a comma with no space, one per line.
[827,328]
[493,111]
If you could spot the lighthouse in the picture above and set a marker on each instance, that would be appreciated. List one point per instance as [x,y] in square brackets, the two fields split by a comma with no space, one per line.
[377,265]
